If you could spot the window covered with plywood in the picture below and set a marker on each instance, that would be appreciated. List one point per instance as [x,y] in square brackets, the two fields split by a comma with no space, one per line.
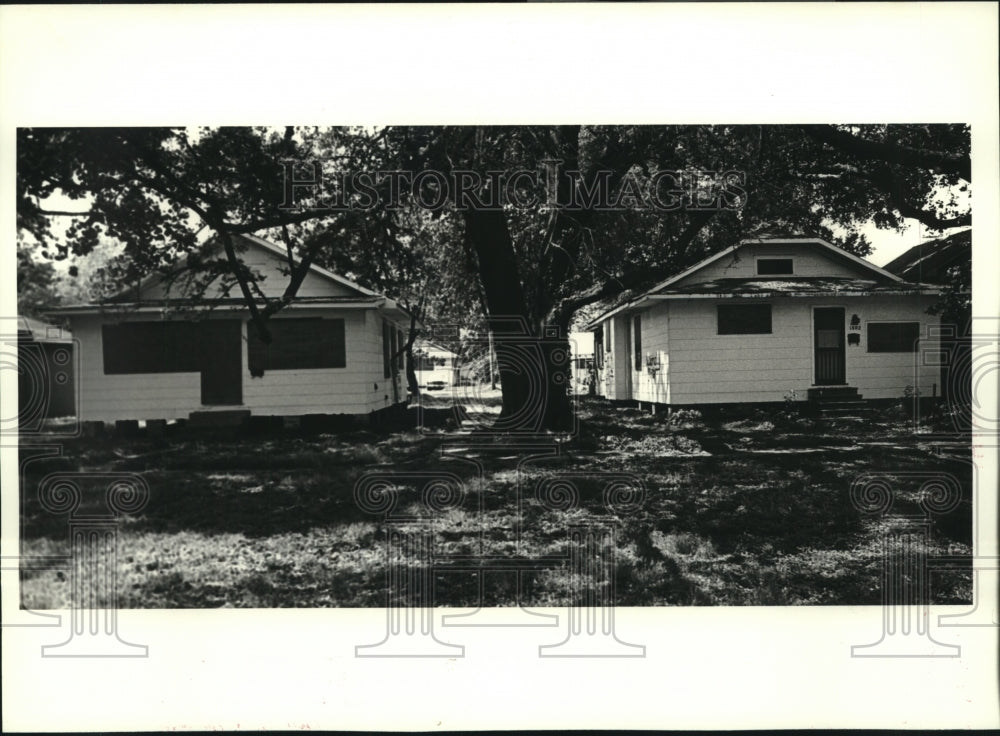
[297,344]
[151,347]
[744,319]
[893,337]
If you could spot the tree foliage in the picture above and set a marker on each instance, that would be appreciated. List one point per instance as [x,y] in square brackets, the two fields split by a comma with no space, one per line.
[37,288]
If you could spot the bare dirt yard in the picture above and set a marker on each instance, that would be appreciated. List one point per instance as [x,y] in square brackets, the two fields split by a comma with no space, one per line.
[740,508]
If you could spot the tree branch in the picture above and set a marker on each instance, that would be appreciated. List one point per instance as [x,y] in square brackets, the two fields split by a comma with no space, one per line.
[636,278]
[297,276]
[892,153]
[60,213]
[288,247]
[889,185]
[272,221]
[237,266]
[927,218]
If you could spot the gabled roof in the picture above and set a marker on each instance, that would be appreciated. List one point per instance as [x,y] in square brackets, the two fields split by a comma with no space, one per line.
[930,261]
[791,286]
[819,242]
[227,304]
[265,245]
[319,270]
[361,297]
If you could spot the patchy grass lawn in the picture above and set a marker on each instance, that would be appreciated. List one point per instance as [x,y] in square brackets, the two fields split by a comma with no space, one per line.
[748,508]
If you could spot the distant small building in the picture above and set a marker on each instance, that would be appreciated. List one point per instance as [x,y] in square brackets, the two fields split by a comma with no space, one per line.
[766,320]
[45,357]
[581,345]
[435,366]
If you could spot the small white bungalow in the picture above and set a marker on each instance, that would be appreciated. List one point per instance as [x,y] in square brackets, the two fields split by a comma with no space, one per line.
[768,320]
[156,353]
[436,367]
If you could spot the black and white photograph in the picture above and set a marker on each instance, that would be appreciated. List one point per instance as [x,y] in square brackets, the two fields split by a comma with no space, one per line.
[670,335]
[558,389]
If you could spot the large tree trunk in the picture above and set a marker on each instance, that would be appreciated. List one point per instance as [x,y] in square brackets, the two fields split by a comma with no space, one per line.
[533,367]
[558,411]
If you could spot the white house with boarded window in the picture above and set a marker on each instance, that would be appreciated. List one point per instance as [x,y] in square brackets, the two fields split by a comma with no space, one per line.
[770,319]
[154,352]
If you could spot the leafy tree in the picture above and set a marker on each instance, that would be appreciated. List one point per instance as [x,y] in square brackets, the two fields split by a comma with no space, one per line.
[37,283]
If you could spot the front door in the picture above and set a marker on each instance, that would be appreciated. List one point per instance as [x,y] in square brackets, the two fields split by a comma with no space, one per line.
[221,362]
[828,342]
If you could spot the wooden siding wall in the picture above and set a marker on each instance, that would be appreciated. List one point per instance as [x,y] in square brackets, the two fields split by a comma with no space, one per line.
[709,368]
[809,260]
[358,388]
[348,390]
[614,380]
[647,384]
[886,375]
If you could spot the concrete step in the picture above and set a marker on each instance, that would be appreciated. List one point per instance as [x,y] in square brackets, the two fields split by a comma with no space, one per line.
[833,393]
[842,403]
[845,408]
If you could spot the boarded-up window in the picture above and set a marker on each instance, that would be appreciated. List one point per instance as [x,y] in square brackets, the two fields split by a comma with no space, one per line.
[607,337]
[386,351]
[637,326]
[744,319]
[151,347]
[297,344]
[774,266]
[893,337]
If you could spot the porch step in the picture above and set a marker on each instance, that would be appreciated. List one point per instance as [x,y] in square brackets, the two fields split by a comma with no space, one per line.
[825,394]
[222,418]
[838,401]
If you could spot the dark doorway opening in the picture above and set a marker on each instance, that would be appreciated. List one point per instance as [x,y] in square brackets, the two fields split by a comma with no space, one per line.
[221,362]
[828,341]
